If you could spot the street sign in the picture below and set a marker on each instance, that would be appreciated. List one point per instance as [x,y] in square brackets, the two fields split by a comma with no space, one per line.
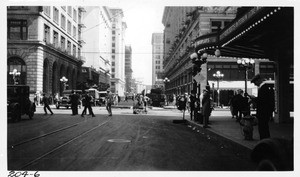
[199,78]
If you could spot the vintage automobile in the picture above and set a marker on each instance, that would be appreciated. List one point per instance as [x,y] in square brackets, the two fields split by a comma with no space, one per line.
[64,101]
[18,102]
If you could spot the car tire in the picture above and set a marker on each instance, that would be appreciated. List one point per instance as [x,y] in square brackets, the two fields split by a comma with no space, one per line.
[268,164]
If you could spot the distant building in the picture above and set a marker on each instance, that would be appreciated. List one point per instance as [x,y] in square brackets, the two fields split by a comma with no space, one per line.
[118,52]
[157,60]
[97,39]
[43,45]
[128,68]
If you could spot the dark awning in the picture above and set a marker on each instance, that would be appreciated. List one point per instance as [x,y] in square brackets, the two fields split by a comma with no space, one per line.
[252,34]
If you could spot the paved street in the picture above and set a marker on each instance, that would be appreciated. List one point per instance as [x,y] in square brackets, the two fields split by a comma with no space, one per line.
[150,142]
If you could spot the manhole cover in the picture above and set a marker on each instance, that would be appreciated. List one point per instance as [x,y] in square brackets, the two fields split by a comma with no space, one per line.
[119,141]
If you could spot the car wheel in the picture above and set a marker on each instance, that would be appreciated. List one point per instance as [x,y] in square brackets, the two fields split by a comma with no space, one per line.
[267,165]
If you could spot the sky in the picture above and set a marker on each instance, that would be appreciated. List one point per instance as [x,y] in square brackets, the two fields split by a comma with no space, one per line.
[142,21]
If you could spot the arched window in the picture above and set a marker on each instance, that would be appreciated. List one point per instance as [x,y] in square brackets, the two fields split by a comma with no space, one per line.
[19,77]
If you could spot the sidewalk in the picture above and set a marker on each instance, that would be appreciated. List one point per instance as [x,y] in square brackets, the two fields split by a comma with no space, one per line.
[227,127]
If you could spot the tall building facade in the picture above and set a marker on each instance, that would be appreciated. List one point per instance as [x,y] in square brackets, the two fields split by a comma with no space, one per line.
[157,60]
[97,40]
[43,46]
[118,52]
[184,26]
[128,68]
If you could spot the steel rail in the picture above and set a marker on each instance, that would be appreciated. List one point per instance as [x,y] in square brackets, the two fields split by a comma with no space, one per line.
[67,142]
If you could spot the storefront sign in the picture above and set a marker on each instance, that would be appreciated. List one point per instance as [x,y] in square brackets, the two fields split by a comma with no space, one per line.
[239,22]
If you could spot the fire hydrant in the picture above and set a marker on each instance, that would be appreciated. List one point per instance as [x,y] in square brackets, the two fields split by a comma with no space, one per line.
[247,124]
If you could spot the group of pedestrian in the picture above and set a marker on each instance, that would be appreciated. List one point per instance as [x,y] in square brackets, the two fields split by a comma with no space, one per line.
[75,101]
[239,105]
[140,104]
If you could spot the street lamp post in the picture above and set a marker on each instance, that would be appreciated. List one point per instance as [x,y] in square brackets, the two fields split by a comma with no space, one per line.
[246,64]
[166,80]
[15,73]
[64,80]
[218,75]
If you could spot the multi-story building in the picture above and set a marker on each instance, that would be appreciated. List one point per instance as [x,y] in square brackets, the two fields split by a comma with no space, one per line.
[128,68]
[157,60]
[184,26]
[43,46]
[97,40]
[118,52]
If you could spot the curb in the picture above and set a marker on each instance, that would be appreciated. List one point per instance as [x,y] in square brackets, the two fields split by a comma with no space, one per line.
[227,140]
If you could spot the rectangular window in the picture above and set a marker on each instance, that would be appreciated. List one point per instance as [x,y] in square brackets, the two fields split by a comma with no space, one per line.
[113,70]
[74,50]
[113,50]
[113,32]
[46,10]
[17,29]
[70,11]
[55,38]
[69,47]
[113,63]
[113,44]
[63,22]
[69,27]
[113,38]
[74,32]
[55,15]
[46,34]
[63,43]
[74,15]
[79,54]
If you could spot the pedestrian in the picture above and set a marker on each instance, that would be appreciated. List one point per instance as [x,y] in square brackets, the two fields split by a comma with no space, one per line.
[45,101]
[87,105]
[206,108]
[265,106]
[109,101]
[239,104]
[74,98]
[35,99]
[192,104]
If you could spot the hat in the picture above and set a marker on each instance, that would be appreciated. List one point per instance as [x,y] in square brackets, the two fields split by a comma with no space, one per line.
[255,78]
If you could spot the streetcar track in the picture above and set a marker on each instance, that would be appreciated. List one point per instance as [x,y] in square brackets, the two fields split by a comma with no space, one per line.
[67,142]
[46,134]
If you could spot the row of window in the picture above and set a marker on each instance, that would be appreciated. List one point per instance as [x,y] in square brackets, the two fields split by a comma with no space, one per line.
[64,23]
[60,41]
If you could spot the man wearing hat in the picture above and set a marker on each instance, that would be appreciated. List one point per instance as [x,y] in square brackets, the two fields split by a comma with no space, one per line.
[265,106]
[109,100]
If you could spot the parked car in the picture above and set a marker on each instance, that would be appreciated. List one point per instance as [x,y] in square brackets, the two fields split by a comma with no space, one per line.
[18,102]
[64,101]
[274,154]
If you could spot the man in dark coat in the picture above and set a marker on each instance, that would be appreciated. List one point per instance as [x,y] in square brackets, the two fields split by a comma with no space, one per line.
[265,106]
[192,104]
[206,107]
[87,105]
[45,100]
[74,98]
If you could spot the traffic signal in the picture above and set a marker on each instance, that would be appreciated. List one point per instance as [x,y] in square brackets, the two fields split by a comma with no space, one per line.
[198,59]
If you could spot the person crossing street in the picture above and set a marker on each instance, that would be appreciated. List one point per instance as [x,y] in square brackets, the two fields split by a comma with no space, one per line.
[87,105]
